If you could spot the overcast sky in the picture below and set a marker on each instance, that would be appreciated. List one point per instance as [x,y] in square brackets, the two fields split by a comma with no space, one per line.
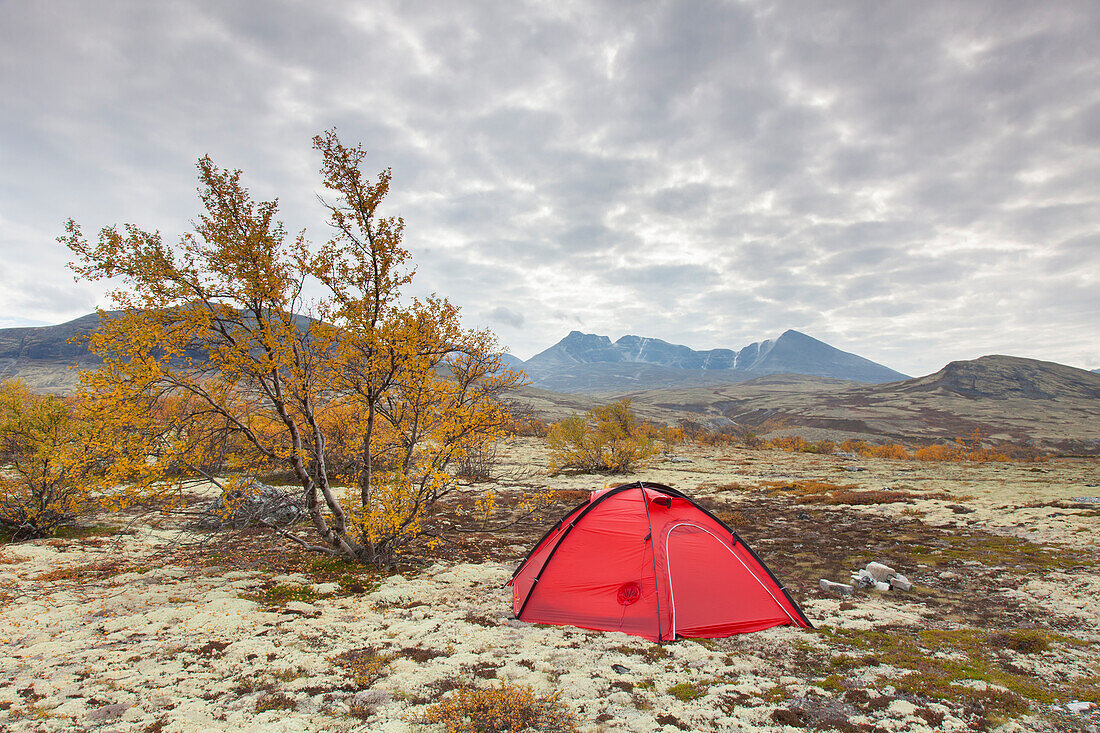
[914,182]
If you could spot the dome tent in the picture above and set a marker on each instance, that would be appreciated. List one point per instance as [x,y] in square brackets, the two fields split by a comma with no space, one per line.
[644,559]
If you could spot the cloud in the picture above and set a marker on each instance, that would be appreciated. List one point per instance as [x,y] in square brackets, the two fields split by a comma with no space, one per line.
[507,316]
[916,182]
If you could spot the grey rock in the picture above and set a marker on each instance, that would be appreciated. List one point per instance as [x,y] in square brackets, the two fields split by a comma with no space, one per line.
[620,668]
[853,469]
[840,588]
[108,712]
[880,573]
[900,582]
[862,579]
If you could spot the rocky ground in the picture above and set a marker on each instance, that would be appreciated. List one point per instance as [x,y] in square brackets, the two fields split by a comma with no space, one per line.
[137,628]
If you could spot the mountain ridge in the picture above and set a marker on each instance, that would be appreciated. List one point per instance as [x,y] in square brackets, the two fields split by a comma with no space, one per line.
[585,362]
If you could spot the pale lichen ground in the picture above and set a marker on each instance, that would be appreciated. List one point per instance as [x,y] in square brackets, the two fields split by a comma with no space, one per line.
[170,649]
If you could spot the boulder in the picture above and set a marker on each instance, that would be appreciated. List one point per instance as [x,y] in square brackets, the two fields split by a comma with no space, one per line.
[880,573]
[900,582]
[840,588]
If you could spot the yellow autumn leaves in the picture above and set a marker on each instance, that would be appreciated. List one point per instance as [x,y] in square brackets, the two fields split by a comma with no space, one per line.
[241,349]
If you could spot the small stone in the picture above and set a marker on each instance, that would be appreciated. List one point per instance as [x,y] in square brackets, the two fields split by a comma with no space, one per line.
[900,582]
[862,579]
[1077,706]
[853,468]
[108,712]
[299,608]
[840,588]
[882,586]
[880,573]
[620,668]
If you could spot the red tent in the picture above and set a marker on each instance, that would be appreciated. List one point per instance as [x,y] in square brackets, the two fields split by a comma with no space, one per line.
[645,559]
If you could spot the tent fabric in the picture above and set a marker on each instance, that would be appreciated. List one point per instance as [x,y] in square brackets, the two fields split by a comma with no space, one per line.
[644,559]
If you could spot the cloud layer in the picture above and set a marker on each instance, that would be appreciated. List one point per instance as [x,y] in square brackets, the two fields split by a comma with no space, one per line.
[913,183]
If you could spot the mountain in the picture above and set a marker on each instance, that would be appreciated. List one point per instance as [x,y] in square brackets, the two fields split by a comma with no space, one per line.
[1004,377]
[585,362]
[50,358]
[64,341]
[1003,397]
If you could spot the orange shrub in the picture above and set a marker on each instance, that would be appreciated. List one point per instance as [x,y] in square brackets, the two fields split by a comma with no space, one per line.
[986,454]
[502,707]
[937,453]
[853,446]
[889,450]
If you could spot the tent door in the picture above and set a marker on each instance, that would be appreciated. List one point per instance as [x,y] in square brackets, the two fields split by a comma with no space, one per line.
[704,576]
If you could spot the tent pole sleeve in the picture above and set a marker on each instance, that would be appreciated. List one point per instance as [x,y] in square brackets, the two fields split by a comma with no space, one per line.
[653,554]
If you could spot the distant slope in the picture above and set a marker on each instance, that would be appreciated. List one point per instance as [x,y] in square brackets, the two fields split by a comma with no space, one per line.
[1004,377]
[618,377]
[49,358]
[512,362]
[1003,397]
[583,362]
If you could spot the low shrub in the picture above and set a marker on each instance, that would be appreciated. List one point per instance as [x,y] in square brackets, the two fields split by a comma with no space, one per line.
[607,439]
[501,707]
[364,666]
[275,701]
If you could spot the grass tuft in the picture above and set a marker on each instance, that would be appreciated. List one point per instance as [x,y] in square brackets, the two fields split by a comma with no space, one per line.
[686,691]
